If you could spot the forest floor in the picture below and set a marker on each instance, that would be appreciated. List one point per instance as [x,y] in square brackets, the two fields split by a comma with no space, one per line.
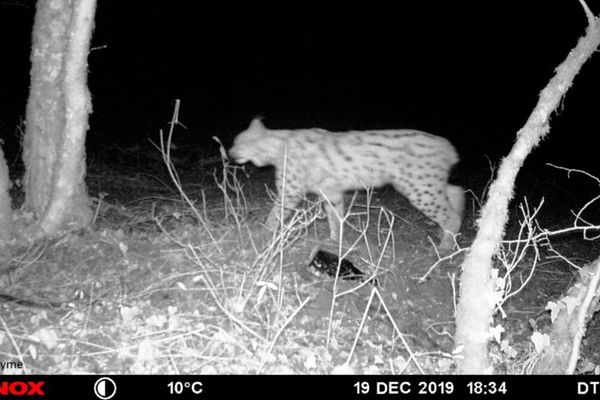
[160,285]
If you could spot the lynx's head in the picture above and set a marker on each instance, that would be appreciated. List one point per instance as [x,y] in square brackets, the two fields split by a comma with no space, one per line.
[257,144]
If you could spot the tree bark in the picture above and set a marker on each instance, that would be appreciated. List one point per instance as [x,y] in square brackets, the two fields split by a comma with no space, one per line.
[478,292]
[574,311]
[57,115]
[45,108]
[6,222]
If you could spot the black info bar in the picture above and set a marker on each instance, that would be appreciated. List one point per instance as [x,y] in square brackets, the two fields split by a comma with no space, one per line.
[306,386]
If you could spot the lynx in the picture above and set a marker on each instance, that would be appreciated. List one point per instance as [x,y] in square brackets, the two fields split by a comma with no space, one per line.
[415,163]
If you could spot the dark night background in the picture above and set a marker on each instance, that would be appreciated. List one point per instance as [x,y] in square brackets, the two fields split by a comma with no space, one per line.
[469,71]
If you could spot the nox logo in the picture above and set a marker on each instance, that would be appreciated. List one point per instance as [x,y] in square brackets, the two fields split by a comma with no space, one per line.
[21,388]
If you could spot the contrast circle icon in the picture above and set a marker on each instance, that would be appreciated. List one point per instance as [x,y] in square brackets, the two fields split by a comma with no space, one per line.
[105,388]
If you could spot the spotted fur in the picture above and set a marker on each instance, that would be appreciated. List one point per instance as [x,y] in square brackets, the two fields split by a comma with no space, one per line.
[415,163]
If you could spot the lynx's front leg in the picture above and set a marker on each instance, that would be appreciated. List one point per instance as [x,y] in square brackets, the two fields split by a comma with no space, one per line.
[292,195]
[334,206]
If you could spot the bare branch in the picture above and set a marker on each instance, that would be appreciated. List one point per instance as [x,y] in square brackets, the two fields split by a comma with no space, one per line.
[588,13]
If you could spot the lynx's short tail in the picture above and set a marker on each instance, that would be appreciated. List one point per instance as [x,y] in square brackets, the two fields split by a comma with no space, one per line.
[456,196]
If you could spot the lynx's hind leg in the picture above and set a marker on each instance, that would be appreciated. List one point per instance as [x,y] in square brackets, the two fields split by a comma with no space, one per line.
[440,202]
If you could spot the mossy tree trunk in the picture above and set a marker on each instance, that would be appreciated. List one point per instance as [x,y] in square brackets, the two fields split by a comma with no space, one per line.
[57,115]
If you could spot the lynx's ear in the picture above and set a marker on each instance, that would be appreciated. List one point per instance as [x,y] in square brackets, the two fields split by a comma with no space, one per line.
[257,125]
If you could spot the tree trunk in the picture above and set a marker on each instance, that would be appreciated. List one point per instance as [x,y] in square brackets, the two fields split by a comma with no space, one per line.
[571,317]
[57,115]
[478,292]
[6,222]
